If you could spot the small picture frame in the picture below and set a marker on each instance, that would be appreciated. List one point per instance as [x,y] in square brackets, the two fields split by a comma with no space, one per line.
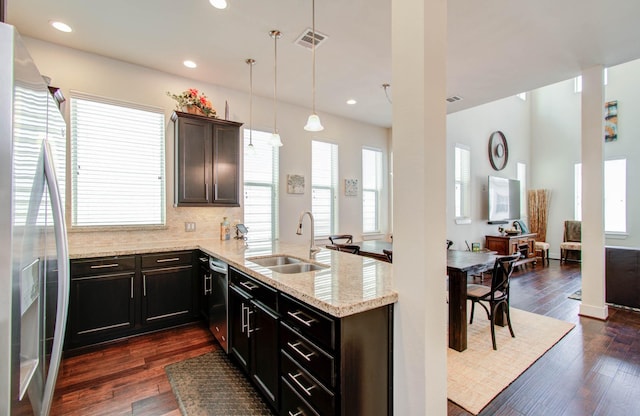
[351,187]
[475,247]
[295,184]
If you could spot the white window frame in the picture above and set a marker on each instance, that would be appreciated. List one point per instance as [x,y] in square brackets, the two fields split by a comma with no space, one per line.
[372,185]
[122,135]
[265,179]
[321,183]
[462,184]
[614,197]
[521,175]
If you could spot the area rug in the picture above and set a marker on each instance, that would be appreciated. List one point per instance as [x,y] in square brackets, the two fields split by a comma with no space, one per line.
[577,295]
[211,385]
[478,374]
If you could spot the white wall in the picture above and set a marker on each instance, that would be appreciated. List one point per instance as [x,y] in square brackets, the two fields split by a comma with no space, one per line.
[71,69]
[472,128]
[555,148]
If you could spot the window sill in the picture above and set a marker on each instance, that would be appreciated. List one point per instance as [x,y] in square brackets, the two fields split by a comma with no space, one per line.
[463,220]
[616,235]
[114,228]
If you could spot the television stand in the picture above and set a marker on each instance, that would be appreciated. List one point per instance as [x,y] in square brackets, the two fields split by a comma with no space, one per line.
[512,244]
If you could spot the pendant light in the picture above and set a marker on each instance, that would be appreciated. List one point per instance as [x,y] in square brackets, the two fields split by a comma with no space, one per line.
[275,137]
[251,62]
[313,123]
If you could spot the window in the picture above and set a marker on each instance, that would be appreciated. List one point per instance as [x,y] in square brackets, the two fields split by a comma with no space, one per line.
[462,186]
[117,160]
[521,173]
[324,183]
[615,195]
[260,187]
[371,187]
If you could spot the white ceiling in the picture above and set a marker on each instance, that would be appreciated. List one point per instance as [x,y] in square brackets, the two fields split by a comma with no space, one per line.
[496,48]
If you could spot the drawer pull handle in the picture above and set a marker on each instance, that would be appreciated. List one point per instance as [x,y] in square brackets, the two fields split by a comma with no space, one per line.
[166,260]
[248,285]
[297,315]
[303,355]
[307,390]
[144,285]
[104,266]
[298,413]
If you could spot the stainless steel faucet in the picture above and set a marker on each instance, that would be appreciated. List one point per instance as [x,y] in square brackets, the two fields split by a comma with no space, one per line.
[312,245]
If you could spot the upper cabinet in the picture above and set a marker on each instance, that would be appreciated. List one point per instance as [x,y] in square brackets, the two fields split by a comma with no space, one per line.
[207,161]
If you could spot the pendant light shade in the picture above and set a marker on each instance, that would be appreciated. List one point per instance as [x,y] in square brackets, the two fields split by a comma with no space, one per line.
[275,137]
[313,122]
[251,62]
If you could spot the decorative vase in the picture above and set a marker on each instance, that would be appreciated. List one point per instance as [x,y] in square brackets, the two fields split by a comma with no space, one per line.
[192,109]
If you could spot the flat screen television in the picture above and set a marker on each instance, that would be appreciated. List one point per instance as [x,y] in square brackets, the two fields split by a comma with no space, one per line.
[504,200]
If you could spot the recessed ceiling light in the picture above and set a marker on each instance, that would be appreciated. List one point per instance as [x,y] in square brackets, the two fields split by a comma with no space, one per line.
[189,64]
[62,27]
[219,4]
[351,101]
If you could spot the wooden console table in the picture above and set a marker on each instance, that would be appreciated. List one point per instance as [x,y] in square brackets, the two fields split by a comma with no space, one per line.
[511,244]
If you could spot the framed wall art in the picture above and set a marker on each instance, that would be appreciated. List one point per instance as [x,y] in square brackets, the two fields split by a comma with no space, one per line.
[295,184]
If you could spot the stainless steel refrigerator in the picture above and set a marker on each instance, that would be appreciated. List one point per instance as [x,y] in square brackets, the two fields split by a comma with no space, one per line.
[34,263]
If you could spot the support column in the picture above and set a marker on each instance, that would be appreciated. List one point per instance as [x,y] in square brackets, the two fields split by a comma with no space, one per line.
[593,253]
[419,34]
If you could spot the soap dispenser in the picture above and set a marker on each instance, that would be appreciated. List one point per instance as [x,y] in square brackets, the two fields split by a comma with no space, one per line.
[225,229]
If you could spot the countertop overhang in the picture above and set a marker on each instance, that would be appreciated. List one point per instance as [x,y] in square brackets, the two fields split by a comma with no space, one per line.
[350,285]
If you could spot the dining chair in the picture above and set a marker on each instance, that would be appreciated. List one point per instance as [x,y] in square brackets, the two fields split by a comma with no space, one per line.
[341,239]
[388,254]
[495,296]
[572,239]
[348,248]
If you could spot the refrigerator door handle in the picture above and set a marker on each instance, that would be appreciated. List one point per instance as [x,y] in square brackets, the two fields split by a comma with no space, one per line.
[63,277]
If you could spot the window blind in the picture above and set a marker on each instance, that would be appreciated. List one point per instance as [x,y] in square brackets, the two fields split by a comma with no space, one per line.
[117,159]
[324,183]
[261,187]
[371,186]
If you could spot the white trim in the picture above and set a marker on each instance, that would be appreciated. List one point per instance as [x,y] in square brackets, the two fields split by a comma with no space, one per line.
[598,312]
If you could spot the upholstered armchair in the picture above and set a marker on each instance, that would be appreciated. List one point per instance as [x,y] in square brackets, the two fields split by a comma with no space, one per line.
[572,240]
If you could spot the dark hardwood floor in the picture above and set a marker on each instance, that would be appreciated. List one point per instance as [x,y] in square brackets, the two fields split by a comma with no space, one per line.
[594,370]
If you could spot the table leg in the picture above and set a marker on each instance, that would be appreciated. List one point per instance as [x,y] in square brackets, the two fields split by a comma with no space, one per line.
[457,310]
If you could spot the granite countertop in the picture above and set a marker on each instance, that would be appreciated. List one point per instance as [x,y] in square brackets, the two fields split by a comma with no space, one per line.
[351,284]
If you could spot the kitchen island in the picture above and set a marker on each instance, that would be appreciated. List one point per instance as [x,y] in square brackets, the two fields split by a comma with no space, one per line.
[316,342]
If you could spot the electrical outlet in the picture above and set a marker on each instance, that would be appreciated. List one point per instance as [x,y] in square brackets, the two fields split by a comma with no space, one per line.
[189,226]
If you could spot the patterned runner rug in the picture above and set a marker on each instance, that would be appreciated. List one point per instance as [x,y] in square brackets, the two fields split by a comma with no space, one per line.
[478,374]
[211,385]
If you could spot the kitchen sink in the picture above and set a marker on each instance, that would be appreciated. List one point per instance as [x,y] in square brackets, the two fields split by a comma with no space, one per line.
[297,268]
[286,264]
[275,260]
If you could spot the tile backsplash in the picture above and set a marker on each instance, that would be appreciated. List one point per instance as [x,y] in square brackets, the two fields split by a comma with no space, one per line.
[207,225]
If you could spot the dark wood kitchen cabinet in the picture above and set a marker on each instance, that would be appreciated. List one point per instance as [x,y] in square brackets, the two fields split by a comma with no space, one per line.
[102,302]
[120,296]
[207,161]
[254,321]
[168,288]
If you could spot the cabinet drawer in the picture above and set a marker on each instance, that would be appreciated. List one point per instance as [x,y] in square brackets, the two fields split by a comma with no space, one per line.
[308,321]
[103,265]
[258,290]
[169,259]
[292,403]
[308,355]
[307,386]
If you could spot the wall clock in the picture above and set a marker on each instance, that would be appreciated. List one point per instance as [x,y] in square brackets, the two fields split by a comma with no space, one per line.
[498,150]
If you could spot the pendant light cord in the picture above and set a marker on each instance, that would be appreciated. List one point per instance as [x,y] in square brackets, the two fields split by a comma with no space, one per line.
[250,62]
[313,54]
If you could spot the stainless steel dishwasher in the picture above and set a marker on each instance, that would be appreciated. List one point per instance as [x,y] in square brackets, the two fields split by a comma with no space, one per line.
[218,301]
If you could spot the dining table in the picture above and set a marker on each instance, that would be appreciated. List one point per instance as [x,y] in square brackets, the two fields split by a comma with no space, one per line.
[460,264]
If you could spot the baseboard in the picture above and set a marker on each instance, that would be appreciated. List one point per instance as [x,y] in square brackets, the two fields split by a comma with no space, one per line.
[591,311]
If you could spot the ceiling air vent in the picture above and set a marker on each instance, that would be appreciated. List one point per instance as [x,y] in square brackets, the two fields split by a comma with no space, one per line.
[306,39]
[454,98]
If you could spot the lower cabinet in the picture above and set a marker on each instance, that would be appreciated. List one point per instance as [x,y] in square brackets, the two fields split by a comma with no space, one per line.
[254,332]
[321,365]
[114,297]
